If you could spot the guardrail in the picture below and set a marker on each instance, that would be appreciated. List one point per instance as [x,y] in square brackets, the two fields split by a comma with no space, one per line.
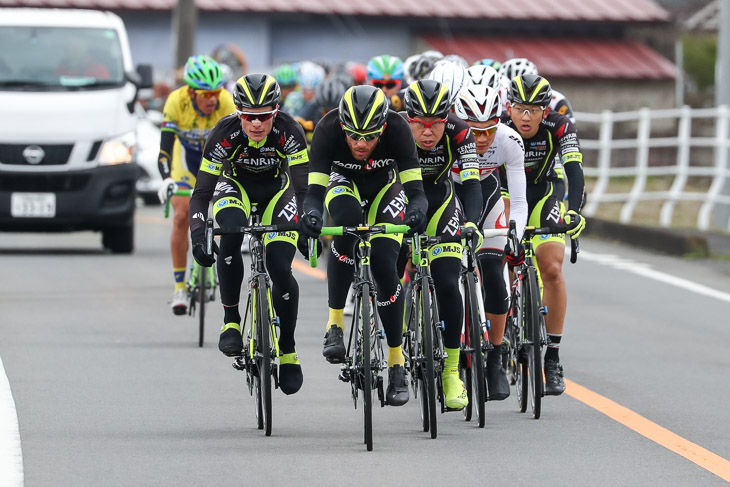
[683,167]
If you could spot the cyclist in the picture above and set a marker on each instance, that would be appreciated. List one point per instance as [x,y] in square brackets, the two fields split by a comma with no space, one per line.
[496,146]
[451,74]
[386,72]
[545,134]
[442,140]
[190,113]
[484,75]
[327,96]
[256,156]
[363,159]
[286,76]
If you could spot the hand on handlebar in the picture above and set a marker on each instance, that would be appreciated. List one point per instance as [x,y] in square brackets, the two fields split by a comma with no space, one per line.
[576,221]
[197,237]
[311,223]
[473,235]
[167,188]
[416,219]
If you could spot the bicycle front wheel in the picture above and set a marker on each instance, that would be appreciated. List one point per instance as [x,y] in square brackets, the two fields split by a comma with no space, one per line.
[532,332]
[428,354]
[478,383]
[202,298]
[263,350]
[367,372]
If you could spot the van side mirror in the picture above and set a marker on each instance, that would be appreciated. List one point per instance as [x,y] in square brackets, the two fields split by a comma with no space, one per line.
[145,76]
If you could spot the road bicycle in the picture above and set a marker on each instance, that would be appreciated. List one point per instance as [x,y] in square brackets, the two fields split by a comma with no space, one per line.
[525,330]
[261,344]
[364,358]
[475,343]
[202,282]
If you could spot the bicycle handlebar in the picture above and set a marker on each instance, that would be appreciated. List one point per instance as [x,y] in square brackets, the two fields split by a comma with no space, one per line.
[258,229]
[550,229]
[386,228]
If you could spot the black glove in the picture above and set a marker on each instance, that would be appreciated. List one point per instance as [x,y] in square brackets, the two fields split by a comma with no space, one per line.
[201,257]
[303,246]
[516,258]
[312,224]
[416,219]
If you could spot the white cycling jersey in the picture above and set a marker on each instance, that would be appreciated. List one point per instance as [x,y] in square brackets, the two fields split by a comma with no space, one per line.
[507,149]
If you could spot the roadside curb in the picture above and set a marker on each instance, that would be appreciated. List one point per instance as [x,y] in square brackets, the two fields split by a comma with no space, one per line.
[664,240]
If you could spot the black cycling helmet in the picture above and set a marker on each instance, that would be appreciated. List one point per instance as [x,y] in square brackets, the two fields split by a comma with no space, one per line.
[363,108]
[256,91]
[329,92]
[530,89]
[427,98]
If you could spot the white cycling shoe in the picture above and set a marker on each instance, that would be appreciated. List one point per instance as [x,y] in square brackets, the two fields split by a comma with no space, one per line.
[179,303]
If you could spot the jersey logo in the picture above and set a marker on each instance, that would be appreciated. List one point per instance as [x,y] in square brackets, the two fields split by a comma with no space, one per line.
[282,140]
[561,130]
[459,138]
[225,143]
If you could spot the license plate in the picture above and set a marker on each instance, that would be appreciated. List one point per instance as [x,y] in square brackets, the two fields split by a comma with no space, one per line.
[33,205]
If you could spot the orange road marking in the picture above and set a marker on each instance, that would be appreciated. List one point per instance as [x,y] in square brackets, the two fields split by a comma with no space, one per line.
[658,434]
[153,219]
[305,268]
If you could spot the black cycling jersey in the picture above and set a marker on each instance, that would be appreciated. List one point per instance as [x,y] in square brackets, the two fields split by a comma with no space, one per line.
[555,134]
[228,150]
[330,153]
[456,146]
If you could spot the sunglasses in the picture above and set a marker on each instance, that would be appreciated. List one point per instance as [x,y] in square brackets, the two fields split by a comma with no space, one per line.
[366,136]
[427,125]
[489,130]
[532,110]
[384,84]
[260,116]
[208,93]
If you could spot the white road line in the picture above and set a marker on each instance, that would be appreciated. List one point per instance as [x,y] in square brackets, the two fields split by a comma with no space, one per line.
[11,455]
[646,271]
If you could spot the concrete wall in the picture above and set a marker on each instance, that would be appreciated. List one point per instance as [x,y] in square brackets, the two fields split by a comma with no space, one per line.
[617,95]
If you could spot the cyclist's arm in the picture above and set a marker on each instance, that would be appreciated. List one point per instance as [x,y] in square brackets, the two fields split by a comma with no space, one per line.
[514,172]
[169,130]
[468,170]
[295,149]
[572,160]
[320,162]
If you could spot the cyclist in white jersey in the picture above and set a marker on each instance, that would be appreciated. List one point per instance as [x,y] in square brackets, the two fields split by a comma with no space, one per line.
[497,145]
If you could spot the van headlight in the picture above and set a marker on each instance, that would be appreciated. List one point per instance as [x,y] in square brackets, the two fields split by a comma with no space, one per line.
[118,150]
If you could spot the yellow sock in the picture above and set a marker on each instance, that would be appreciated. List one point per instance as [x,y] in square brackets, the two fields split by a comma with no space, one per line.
[337,318]
[179,273]
[451,362]
[395,356]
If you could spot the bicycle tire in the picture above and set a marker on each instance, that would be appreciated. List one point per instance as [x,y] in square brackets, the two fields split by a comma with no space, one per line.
[479,392]
[522,377]
[259,402]
[202,295]
[534,357]
[263,331]
[367,373]
[428,354]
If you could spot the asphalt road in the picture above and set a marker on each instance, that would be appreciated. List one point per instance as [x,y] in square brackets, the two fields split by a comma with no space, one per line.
[111,389]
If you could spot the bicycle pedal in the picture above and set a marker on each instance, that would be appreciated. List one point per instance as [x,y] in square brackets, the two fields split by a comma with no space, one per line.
[239,364]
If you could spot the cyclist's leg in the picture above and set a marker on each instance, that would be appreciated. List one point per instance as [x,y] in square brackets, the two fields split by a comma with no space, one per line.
[343,204]
[231,207]
[179,235]
[445,260]
[280,250]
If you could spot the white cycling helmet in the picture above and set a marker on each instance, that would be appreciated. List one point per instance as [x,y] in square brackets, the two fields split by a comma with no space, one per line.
[452,75]
[455,58]
[483,75]
[310,75]
[478,103]
[518,66]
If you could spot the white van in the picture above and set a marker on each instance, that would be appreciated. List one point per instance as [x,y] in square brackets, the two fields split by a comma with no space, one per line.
[67,123]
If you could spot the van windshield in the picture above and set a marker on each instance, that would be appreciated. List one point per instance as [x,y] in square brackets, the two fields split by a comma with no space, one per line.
[59,58]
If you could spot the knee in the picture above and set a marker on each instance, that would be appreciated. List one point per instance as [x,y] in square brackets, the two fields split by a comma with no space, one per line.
[551,271]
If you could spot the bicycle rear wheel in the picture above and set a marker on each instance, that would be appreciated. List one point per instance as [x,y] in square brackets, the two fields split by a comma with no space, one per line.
[534,357]
[367,373]
[263,334]
[202,298]
[478,383]
[427,352]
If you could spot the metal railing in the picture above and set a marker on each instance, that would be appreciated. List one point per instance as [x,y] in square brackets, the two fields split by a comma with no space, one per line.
[683,166]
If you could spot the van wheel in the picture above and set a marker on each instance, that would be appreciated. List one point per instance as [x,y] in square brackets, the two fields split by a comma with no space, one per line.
[120,240]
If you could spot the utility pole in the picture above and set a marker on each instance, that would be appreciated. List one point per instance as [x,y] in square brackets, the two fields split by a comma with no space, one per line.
[184,27]
[722,93]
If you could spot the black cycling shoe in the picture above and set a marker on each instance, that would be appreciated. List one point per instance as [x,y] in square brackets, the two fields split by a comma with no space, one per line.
[554,383]
[334,345]
[497,383]
[231,342]
[290,373]
[397,393]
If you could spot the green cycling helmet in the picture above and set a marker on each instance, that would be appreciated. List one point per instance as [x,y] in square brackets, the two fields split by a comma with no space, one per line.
[385,68]
[203,73]
[286,75]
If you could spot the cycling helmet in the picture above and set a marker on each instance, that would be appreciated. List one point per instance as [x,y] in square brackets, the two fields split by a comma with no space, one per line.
[427,98]
[455,58]
[517,67]
[487,61]
[385,68]
[363,109]
[329,92]
[452,75]
[256,91]
[530,89]
[422,66]
[358,71]
[478,103]
[310,75]
[483,75]
[286,75]
[203,73]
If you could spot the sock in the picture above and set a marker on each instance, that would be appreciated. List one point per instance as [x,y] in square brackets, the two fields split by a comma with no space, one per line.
[179,273]
[553,347]
[451,362]
[231,314]
[337,318]
[395,356]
